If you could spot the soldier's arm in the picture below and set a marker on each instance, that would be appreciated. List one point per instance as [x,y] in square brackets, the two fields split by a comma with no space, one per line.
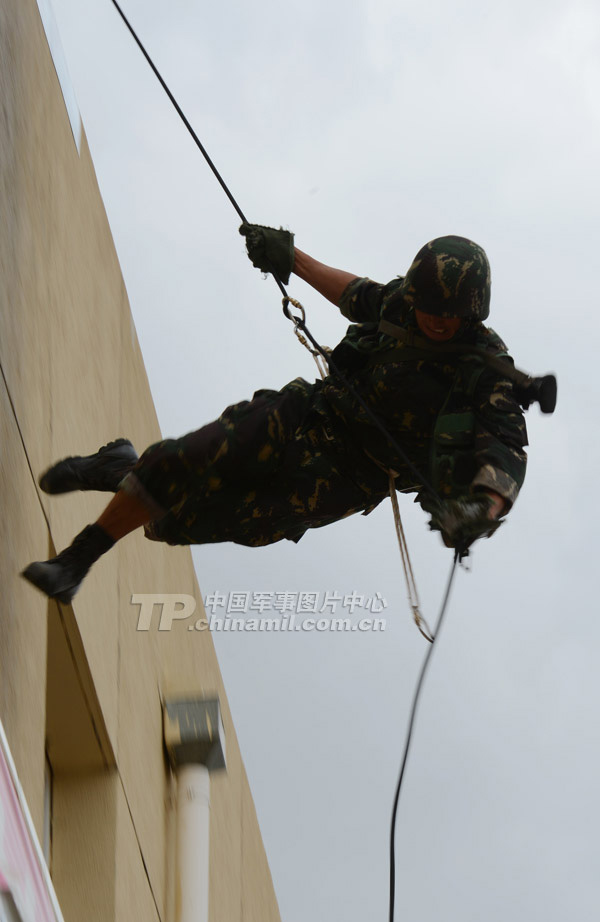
[329,282]
[359,299]
[500,440]
[499,504]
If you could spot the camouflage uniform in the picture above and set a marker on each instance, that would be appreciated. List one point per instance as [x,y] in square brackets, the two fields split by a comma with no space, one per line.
[307,455]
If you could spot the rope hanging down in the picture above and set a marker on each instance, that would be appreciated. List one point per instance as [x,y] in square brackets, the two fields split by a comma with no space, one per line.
[413,713]
[413,595]
[409,577]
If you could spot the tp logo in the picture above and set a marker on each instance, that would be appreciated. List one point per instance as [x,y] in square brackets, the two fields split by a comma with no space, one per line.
[173,607]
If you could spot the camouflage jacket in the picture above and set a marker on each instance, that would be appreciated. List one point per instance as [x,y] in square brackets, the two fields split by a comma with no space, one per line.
[456,418]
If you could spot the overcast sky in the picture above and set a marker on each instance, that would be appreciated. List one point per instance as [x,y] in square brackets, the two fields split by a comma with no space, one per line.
[369,128]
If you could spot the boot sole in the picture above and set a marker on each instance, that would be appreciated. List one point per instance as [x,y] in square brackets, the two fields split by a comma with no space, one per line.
[38,577]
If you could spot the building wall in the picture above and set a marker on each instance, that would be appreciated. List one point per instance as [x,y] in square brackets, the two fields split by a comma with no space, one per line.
[82,682]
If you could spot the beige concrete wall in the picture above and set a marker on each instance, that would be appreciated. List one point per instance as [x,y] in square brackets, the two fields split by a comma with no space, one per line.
[90,687]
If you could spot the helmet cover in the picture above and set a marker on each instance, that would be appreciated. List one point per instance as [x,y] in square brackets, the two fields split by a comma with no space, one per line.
[449,277]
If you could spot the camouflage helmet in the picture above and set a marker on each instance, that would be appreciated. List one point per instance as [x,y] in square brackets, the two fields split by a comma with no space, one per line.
[449,277]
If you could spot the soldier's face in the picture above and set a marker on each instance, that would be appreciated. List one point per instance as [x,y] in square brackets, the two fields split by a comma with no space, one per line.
[437,328]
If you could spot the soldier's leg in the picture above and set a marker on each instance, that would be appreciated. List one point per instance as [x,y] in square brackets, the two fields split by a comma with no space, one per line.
[123,515]
[61,576]
[244,443]
[102,471]
[211,468]
[316,484]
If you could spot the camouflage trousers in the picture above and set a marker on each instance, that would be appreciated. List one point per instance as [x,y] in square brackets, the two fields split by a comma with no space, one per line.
[266,469]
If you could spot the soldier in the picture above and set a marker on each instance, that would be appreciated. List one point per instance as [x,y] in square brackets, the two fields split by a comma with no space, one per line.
[307,455]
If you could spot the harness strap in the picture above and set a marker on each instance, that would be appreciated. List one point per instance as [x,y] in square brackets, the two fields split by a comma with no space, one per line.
[417,344]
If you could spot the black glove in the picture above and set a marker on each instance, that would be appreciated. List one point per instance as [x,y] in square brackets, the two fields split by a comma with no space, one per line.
[461,521]
[270,250]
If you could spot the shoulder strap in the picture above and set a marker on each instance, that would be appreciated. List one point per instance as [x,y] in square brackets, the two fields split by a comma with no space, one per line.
[528,388]
[429,349]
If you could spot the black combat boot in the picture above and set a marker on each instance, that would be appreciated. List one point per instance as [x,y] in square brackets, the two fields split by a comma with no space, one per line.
[102,471]
[61,577]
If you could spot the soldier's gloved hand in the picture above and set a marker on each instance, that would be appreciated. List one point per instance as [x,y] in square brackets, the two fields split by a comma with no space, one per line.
[269,249]
[462,521]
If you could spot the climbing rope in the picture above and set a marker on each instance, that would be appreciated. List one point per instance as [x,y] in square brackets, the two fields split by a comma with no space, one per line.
[321,355]
[326,365]
[299,321]
[413,713]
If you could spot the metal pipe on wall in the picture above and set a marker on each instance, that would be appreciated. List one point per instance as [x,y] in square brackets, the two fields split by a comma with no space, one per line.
[195,742]
[193,834]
